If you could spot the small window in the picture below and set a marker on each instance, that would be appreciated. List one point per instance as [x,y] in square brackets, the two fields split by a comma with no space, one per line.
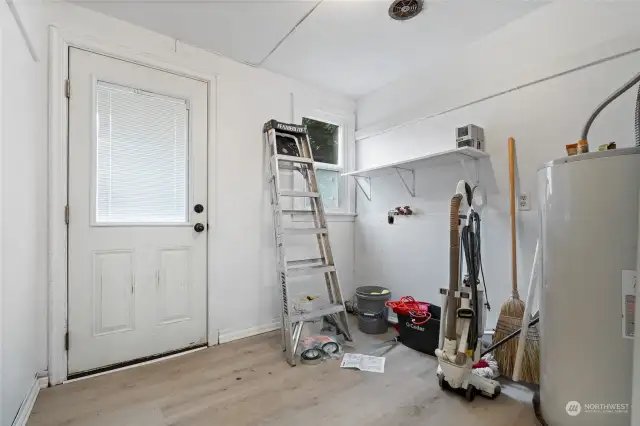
[324,139]
[142,157]
[326,146]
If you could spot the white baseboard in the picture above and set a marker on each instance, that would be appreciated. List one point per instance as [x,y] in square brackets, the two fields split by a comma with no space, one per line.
[231,335]
[27,405]
[43,381]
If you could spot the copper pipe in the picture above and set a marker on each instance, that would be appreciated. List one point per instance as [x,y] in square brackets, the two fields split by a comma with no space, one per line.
[454,265]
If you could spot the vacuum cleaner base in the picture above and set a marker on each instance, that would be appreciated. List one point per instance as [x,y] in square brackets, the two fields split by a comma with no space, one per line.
[462,379]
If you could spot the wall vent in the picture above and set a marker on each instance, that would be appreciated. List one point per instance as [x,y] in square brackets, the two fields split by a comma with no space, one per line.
[402,10]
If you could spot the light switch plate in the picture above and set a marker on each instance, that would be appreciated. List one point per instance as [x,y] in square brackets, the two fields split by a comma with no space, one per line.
[524,202]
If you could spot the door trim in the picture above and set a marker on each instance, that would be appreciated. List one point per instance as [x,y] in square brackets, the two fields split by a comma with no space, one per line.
[59,43]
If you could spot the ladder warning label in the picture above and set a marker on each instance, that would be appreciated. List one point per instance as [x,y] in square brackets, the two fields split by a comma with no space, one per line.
[628,304]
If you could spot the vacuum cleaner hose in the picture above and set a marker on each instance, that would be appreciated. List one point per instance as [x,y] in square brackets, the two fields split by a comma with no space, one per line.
[454,264]
[471,249]
[628,85]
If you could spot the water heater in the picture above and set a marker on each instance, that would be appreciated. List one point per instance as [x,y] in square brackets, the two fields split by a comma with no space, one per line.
[589,237]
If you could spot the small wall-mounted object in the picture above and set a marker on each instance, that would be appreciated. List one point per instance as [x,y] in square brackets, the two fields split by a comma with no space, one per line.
[398,211]
[470,136]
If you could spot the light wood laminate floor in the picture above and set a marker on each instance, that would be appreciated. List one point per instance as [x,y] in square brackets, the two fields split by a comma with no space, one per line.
[247,382]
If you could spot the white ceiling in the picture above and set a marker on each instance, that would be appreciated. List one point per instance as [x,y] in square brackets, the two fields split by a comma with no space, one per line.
[351,47]
[242,30]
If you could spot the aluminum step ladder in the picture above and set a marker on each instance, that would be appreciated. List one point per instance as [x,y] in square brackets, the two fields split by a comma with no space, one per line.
[288,147]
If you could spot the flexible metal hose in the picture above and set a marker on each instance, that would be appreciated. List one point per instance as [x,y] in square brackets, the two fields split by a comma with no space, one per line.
[454,265]
[638,117]
[628,85]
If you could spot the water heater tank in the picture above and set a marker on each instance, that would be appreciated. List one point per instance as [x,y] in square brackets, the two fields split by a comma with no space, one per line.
[589,235]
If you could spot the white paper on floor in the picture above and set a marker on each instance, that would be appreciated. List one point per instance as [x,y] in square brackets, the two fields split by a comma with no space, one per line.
[374,364]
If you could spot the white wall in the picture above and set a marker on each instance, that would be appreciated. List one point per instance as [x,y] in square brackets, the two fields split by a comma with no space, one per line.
[244,297]
[24,204]
[2,401]
[549,40]
[411,256]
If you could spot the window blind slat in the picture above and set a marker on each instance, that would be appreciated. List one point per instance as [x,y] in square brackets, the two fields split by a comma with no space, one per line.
[142,157]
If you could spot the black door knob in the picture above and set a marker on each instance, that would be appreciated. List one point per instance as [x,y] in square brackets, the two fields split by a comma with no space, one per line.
[198,208]
[198,227]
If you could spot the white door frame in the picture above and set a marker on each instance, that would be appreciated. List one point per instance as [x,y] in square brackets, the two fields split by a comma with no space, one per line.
[59,42]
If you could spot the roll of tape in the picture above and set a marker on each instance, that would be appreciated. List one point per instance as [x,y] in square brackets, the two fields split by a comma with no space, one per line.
[331,348]
[311,356]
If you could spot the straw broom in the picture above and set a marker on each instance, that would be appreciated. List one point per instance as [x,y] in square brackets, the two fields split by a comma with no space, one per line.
[512,311]
[527,361]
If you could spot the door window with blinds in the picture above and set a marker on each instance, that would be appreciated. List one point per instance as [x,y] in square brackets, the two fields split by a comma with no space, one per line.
[141,157]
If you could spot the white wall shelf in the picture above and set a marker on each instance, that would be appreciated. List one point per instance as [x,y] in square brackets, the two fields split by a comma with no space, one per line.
[406,169]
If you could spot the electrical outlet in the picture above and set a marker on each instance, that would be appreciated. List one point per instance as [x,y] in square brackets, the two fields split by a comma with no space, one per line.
[524,202]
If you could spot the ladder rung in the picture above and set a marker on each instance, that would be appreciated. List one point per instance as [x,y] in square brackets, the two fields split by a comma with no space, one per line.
[304,231]
[293,159]
[299,194]
[310,316]
[297,212]
[308,270]
[302,262]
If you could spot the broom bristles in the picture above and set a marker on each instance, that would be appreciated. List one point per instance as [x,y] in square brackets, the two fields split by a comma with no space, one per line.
[514,307]
[510,319]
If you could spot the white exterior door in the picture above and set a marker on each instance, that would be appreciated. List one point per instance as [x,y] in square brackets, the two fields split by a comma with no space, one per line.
[137,212]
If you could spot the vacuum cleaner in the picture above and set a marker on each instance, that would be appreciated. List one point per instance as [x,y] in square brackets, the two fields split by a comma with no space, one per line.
[463,312]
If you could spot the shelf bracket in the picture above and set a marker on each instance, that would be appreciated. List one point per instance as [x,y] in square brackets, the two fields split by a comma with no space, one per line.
[411,189]
[364,191]
[468,175]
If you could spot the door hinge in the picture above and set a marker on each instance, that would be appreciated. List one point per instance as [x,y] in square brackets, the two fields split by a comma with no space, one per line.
[66,341]
[66,214]
[67,88]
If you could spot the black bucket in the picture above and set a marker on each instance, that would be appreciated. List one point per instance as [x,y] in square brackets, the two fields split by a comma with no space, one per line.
[421,337]
[372,312]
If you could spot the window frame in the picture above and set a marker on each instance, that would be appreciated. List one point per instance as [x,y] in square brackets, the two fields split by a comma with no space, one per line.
[346,159]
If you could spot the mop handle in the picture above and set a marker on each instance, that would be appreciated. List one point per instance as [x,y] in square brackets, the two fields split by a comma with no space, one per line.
[533,283]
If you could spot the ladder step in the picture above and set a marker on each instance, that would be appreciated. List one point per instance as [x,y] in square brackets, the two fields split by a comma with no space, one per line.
[315,314]
[302,262]
[304,231]
[293,159]
[308,270]
[299,194]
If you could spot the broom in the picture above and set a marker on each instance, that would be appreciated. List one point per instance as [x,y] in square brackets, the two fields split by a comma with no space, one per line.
[512,311]
[527,362]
